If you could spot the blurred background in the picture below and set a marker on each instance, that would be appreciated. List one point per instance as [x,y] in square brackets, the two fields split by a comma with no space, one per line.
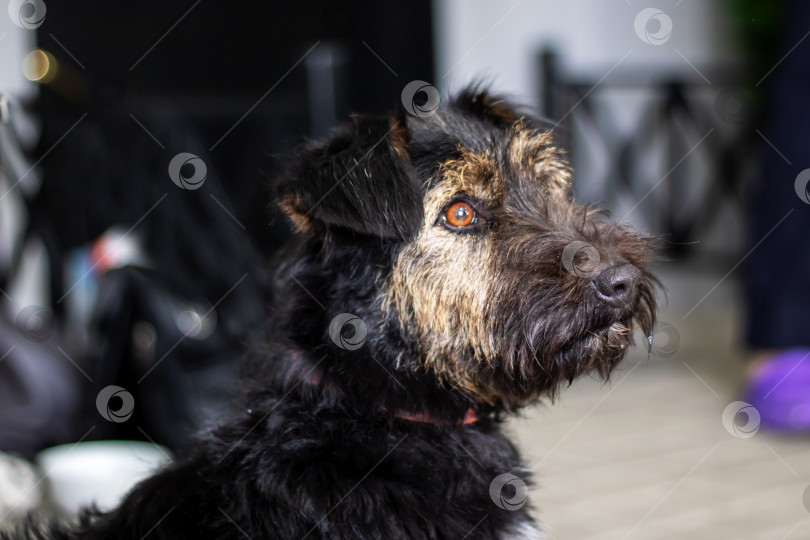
[136,143]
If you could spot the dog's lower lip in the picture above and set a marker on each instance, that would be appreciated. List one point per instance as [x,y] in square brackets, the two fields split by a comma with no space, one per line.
[616,327]
[619,327]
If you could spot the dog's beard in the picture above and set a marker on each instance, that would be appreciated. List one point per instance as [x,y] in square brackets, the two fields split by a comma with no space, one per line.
[548,347]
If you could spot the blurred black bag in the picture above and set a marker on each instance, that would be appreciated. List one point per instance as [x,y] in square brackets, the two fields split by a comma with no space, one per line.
[171,335]
[39,393]
[39,389]
[177,358]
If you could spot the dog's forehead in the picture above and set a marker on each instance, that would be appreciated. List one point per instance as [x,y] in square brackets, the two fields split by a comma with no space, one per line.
[472,154]
[448,129]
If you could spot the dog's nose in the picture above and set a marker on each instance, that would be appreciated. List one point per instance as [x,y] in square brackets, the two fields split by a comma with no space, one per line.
[617,284]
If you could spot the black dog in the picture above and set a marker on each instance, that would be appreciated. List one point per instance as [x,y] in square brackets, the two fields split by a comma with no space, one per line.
[444,278]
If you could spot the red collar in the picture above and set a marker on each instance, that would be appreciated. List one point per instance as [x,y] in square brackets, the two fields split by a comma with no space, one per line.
[426,418]
[423,417]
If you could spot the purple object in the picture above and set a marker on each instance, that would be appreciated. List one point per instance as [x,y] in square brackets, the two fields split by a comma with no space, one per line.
[780,390]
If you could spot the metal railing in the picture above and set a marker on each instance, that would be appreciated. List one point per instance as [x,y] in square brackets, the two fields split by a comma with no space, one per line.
[694,132]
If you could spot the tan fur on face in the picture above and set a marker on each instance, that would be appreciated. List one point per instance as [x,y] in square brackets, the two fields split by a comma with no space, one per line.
[443,283]
[533,153]
[471,174]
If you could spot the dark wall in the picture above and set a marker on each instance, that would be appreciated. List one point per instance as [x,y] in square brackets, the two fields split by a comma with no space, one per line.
[140,82]
[188,71]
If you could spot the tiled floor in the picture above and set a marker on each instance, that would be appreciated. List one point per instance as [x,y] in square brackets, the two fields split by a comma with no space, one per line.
[647,456]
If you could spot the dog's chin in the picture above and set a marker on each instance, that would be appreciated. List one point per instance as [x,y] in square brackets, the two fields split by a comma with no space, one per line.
[545,370]
[601,349]
[614,335]
[537,364]
[598,350]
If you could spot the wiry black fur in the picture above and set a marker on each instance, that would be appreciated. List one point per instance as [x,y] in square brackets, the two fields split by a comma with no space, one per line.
[315,449]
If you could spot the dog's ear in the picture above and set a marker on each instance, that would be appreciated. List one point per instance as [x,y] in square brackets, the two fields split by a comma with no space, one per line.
[359,179]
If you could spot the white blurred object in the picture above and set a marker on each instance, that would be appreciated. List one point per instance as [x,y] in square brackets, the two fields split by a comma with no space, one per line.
[19,493]
[19,180]
[99,472]
[117,248]
[15,42]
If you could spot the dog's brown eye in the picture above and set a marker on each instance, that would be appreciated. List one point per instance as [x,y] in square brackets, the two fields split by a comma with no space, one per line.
[459,214]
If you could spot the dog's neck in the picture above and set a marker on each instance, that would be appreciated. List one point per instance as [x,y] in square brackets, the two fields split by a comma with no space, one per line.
[382,376]
[425,416]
